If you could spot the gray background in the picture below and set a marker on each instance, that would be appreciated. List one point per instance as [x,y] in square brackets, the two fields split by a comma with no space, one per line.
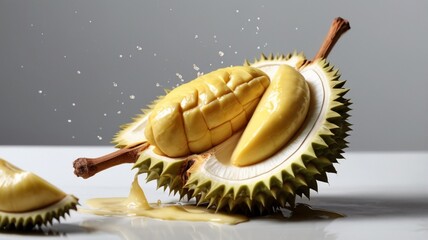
[71,72]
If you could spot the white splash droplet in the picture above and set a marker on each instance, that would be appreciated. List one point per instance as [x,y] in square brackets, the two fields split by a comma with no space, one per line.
[78,72]
[139,48]
[195,67]
[69,120]
[114,84]
[237,11]
[120,56]
[157,85]
[40,91]
[221,54]
[132,97]
[196,36]
[73,104]
[100,138]
[119,112]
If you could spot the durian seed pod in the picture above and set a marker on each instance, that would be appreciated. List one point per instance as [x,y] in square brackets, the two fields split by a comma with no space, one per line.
[267,185]
[27,200]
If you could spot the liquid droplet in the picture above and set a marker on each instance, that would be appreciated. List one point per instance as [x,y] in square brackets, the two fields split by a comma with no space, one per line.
[78,72]
[157,85]
[221,54]
[119,112]
[196,36]
[114,84]
[195,67]
[100,138]
[73,104]
[179,76]
[69,120]
[120,56]
[40,91]
[132,97]
[237,11]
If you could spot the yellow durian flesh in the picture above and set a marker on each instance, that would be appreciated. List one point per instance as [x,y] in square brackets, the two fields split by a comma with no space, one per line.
[27,200]
[279,114]
[23,191]
[203,113]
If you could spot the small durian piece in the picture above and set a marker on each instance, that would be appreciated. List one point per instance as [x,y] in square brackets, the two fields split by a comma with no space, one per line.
[279,115]
[27,200]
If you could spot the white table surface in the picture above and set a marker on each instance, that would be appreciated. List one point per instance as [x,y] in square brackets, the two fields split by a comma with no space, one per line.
[384,195]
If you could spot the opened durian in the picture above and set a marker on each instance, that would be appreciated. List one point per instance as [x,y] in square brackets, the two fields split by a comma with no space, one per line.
[245,138]
[26,200]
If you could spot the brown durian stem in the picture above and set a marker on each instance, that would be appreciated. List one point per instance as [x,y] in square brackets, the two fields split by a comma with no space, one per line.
[87,167]
[338,27]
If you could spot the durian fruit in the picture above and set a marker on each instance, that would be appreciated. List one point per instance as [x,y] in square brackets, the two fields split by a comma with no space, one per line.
[26,200]
[302,155]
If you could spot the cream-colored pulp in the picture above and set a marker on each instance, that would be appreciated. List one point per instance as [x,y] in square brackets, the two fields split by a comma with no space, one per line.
[136,205]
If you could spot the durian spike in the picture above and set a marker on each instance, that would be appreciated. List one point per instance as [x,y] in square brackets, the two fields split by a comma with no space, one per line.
[87,167]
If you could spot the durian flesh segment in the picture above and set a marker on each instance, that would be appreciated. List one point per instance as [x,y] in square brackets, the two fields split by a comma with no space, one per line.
[200,114]
[279,114]
[22,191]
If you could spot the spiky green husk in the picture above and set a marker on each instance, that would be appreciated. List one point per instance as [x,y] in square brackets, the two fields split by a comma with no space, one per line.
[279,187]
[39,217]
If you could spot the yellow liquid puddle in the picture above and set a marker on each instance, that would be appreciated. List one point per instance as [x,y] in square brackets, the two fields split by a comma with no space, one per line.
[136,205]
